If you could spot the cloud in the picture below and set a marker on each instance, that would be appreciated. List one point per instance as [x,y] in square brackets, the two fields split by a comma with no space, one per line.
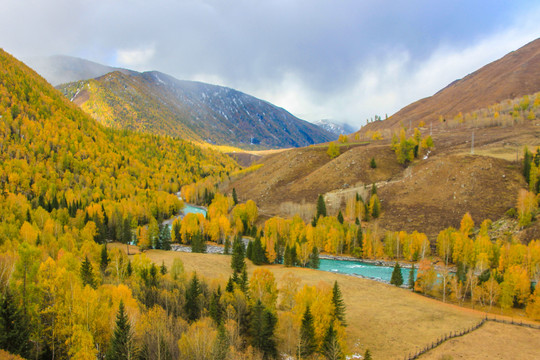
[346,60]
[135,58]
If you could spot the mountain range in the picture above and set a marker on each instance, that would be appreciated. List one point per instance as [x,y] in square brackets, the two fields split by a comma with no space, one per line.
[158,103]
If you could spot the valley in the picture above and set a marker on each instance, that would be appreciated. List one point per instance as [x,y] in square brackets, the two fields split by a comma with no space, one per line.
[102,177]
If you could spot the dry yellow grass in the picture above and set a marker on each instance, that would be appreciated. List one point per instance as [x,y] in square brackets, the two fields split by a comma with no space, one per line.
[391,322]
[491,341]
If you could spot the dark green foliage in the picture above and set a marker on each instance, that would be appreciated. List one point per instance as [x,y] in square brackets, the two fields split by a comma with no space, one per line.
[192,306]
[87,273]
[376,209]
[176,228]
[261,330]
[411,277]
[307,345]
[215,310]
[258,257]
[339,304]
[373,189]
[104,259]
[14,327]
[397,277]
[484,276]
[287,259]
[527,158]
[164,237]
[227,248]
[321,207]
[372,163]
[122,343]
[244,282]
[230,285]
[366,212]
[367,355]
[461,272]
[314,261]
[330,348]
[340,217]
[221,344]
[234,196]
[249,250]
[237,261]
[163,268]
[129,269]
[198,244]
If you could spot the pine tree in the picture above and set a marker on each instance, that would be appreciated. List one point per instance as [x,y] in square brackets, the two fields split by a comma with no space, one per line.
[129,269]
[372,163]
[244,282]
[214,309]
[411,278]
[258,256]
[227,248]
[14,327]
[237,261]
[192,306]
[104,259]
[87,273]
[122,343]
[249,250]
[314,261]
[339,304]
[230,285]
[221,344]
[373,189]
[367,355]
[294,256]
[527,158]
[234,196]
[261,330]
[165,237]
[340,217]
[330,348]
[397,277]
[163,268]
[321,207]
[287,259]
[307,335]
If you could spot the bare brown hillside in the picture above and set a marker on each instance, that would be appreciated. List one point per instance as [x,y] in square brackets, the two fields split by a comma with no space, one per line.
[429,195]
[514,75]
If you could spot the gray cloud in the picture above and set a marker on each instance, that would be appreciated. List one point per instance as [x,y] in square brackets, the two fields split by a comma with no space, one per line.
[345,59]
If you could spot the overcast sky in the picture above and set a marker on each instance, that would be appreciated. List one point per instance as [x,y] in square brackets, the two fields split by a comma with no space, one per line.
[345,60]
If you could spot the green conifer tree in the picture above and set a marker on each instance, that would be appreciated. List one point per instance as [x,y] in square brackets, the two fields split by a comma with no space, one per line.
[411,278]
[321,207]
[234,196]
[192,306]
[372,163]
[261,330]
[397,277]
[163,268]
[367,355]
[87,273]
[314,261]
[307,344]
[330,348]
[340,217]
[104,259]
[221,344]
[122,343]
[249,250]
[238,262]
[14,327]
[339,304]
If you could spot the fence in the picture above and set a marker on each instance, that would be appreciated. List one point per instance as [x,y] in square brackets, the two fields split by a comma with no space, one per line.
[456,334]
